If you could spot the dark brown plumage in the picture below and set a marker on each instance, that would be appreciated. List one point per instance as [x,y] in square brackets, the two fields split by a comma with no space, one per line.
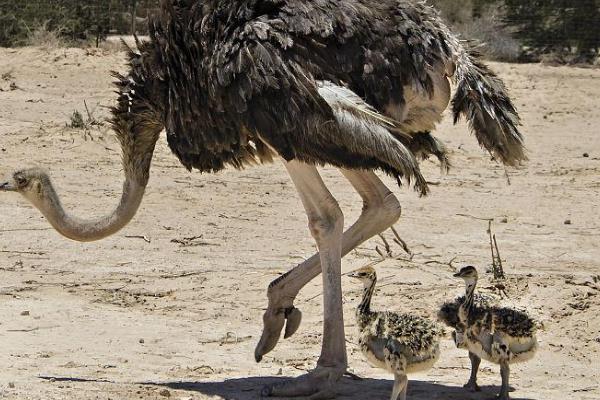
[448,312]
[236,82]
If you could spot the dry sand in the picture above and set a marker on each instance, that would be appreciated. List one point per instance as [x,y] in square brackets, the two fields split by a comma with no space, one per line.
[179,313]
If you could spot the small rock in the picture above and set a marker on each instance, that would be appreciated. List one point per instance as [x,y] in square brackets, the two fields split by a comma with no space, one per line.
[586,155]
[568,222]
[11,385]
[142,340]
[24,313]
[280,372]
[165,393]
[504,220]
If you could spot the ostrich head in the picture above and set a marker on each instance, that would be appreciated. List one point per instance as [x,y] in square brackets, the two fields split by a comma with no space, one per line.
[33,184]
[468,274]
[367,275]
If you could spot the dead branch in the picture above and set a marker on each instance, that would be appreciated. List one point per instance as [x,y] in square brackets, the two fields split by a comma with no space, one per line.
[401,242]
[25,229]
[507,176]
[474,217]
[500,270]
[449,263]
[182,275]
[378,250]
[388,249]
[497,267]
[36,253]
[145,238]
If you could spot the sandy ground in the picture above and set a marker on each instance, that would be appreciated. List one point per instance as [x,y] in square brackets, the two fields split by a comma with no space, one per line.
[179,314]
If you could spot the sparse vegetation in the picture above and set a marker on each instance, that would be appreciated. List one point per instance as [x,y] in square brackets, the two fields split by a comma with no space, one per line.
[74,21]
[43,36]
[8,75]
[77,120]
[566,28]
[511,30]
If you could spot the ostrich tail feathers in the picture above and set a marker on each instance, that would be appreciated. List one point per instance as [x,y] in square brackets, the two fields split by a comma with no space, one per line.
[482,99]
[424,144]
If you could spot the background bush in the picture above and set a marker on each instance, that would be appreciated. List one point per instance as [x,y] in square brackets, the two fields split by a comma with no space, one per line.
[74,20]
[527,29]
[506,29]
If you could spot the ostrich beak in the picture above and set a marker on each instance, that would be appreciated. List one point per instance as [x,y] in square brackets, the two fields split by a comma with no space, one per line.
[457,275]
[7,187]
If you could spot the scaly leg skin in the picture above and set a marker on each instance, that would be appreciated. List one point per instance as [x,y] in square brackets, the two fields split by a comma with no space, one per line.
[504,373]
[381,210]
[400,386]
[326,223]
[403,393]
[472,384]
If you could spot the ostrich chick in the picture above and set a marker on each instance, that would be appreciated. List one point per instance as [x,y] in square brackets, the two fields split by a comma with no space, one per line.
[398,343]
[497,334]
[448,314]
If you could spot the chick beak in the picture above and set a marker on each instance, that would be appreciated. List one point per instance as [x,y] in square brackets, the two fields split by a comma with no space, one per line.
[7,187]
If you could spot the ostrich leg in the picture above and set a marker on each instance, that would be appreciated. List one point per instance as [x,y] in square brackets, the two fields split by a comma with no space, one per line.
[381,210]
[504,373]
[475,362]
[326,223]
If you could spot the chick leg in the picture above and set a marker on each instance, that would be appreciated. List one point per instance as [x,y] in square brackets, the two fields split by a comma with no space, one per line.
[472,383]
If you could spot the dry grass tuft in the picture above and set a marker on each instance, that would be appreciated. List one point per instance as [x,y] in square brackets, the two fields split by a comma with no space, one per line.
[41,36]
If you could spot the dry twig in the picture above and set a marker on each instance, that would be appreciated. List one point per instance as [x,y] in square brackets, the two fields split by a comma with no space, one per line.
[146,238]
[401,242]
[497,267]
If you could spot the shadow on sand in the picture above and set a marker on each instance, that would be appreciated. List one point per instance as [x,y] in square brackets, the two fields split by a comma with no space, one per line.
[349,389]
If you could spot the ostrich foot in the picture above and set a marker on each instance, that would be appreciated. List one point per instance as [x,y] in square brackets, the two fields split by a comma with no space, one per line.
[472,386]
[318,384]
[273,320]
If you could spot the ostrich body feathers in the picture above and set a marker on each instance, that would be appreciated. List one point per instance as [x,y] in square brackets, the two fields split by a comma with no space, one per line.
[237,82]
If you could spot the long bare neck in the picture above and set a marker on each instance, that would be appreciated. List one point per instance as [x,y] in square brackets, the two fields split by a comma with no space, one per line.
[364,308]
[90,230]
[467,305]
[137,128]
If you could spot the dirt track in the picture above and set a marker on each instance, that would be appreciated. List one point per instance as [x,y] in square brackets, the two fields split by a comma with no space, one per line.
[128,318]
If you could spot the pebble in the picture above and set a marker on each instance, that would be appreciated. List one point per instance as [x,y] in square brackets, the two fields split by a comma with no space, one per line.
[24,313]
[142,340]
[568,222]
[11,385]
[165,393]
[586,155]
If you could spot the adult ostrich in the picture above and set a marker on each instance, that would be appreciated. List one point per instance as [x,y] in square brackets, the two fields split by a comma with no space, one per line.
[356,84]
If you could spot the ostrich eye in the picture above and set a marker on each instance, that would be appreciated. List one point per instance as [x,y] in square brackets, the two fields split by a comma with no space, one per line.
[21,181]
